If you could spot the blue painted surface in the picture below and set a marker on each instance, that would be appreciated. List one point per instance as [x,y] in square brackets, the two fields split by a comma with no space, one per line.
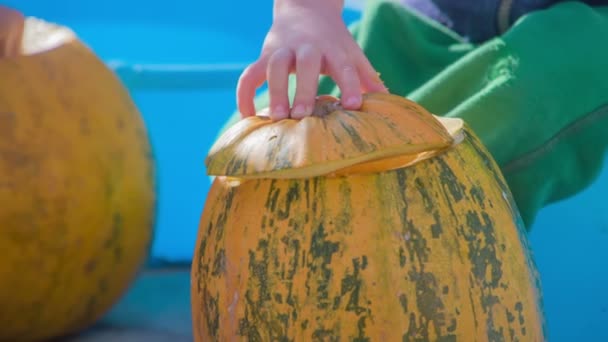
[182,124]
[570,238]
[570,242]
[200,35]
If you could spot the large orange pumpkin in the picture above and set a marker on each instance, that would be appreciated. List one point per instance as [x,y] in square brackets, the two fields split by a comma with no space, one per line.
[383,224]
[76,183]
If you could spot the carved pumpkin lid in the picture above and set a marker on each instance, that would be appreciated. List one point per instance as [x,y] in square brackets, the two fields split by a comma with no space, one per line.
[387,132]
[28,36]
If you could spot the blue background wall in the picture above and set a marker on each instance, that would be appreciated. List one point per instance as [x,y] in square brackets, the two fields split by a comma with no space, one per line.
[570,238]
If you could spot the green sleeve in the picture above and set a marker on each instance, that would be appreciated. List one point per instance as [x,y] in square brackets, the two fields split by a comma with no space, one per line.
[537,96]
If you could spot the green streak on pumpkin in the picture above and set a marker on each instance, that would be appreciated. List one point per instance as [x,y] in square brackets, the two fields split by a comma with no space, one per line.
[323,335]
[113,241]
[482,254]
[278,298]
[478,196]
[343,219]
[361,331]
[203,268]
[283,159]
[235,164]
[257,295]
[520,317]
[293,246]
[293,250]
[350,289]
[219,263]
[293,195]
[429,206]
[209,300]
[212,312]
[477,146]
[450,182]
[360,143]
[403,302]
[321,252]
[402,257]
[482,249]
[273,196]
[428,300]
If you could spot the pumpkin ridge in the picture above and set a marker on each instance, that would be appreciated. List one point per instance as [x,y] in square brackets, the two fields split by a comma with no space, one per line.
[386,126]
[379,104]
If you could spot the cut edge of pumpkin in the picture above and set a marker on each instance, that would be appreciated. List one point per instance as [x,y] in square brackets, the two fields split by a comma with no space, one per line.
[429,135]
[385,161]
[40,36]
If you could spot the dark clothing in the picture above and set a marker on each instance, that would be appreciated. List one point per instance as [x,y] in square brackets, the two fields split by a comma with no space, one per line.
[479,20]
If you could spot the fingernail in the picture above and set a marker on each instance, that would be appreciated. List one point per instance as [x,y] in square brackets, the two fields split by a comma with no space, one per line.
[279,112]
[299,111]
[352,102]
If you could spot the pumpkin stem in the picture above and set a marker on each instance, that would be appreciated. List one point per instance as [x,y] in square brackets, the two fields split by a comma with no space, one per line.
[12,24]
[326,104]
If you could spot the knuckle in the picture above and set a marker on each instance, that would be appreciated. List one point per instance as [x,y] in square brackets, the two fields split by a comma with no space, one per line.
[280,56]
[348,69]
[342,66]
[308,54]
[348,77]
[338,56]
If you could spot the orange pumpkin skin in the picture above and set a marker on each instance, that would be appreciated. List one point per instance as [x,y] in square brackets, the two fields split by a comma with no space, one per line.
[76,185]
[434,251]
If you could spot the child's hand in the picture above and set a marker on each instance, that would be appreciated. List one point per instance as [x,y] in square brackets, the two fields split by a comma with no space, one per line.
[310,38]
[11,32]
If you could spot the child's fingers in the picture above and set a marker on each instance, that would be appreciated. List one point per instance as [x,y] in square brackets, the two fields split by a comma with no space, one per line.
[370,80]
[345,74]
[252,77]
[308,68]
[277,74]
[370,85]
